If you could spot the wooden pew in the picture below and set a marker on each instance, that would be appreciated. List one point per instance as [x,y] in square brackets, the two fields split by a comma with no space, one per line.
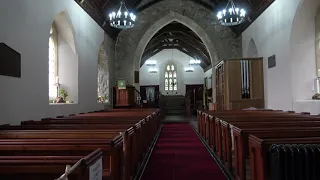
[290,119]
[47,167]
[139,135]
[259,153]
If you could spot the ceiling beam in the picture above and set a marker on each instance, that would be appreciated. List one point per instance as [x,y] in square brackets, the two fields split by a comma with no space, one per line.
[145,6]
[195,50]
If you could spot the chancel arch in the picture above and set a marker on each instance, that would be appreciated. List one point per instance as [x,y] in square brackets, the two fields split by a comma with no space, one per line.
[63,61]
[172,17]
[103,76]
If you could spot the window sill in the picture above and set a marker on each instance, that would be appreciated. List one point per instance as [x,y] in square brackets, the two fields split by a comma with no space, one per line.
[62,104]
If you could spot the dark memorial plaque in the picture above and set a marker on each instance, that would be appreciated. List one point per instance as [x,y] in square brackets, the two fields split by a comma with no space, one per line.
[272,61]
[10,61]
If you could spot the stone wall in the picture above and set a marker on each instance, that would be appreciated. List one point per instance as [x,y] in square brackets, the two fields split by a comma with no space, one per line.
[105,69]
[222,42]
[109,45]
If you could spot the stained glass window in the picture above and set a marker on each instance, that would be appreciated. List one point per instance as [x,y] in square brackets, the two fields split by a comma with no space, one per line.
[166,87]
[170,78]
[52,64]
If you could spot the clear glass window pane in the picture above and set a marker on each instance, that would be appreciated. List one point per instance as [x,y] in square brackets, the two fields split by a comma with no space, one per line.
[174,74]
[52,69]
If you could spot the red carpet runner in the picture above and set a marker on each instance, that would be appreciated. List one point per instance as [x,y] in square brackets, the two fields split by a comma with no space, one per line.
[180,155]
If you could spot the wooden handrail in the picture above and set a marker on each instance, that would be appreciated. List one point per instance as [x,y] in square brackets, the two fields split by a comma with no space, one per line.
[69,170]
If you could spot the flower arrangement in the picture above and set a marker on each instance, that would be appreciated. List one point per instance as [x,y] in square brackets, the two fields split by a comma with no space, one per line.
[316,96]
[102,99]
[63,94]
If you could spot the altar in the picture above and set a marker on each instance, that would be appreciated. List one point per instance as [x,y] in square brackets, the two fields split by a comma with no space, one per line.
[312,106]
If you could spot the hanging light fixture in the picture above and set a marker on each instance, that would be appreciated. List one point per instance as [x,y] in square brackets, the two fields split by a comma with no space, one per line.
[122,19]
[194,62]
[231,15]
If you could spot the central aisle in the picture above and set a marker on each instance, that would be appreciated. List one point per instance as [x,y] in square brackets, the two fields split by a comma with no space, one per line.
[180,155]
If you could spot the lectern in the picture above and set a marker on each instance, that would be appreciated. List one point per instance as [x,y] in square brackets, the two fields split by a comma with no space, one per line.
[125,97]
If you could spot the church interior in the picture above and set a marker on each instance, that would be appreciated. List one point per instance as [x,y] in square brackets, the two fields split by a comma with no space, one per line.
[160,89]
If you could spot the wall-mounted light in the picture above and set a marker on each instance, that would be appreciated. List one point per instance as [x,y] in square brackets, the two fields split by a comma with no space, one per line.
[189,69]
[151,62]
[153,70]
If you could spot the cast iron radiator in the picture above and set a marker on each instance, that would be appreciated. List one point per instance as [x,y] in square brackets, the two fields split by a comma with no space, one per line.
[294,162]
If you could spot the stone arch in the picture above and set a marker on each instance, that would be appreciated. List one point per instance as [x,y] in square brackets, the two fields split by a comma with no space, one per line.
[173,16]
[252,49]
[67,56]
[302,49]
[103,74]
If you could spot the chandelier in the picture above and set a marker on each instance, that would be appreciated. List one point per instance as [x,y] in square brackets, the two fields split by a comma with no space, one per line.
[231,15]
[123,19]
[194,62]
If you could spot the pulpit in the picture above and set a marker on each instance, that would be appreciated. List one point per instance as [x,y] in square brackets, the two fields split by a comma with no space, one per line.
[125,97]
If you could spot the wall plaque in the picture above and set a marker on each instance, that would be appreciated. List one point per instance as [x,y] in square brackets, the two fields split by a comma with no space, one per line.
[10,61]
[95,172]
[272,61]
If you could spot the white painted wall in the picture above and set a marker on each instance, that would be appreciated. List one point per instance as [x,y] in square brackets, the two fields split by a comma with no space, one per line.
[25,27]
[68,69]
[181,61]
[208,74]
[286,29]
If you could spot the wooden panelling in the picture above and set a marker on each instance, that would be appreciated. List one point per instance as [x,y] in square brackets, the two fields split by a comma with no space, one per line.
[257,81]
[234,80]
[239,84]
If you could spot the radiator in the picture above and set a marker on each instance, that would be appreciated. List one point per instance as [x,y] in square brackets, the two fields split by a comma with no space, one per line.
[294,162]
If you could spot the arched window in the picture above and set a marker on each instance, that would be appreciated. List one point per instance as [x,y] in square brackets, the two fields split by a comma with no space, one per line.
[170,78]
[53,61]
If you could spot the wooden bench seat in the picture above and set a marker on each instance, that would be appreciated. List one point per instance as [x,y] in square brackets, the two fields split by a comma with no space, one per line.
[220,129]
[259,152]
[46,167]
[123,137]
[241,142]
[60,148]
